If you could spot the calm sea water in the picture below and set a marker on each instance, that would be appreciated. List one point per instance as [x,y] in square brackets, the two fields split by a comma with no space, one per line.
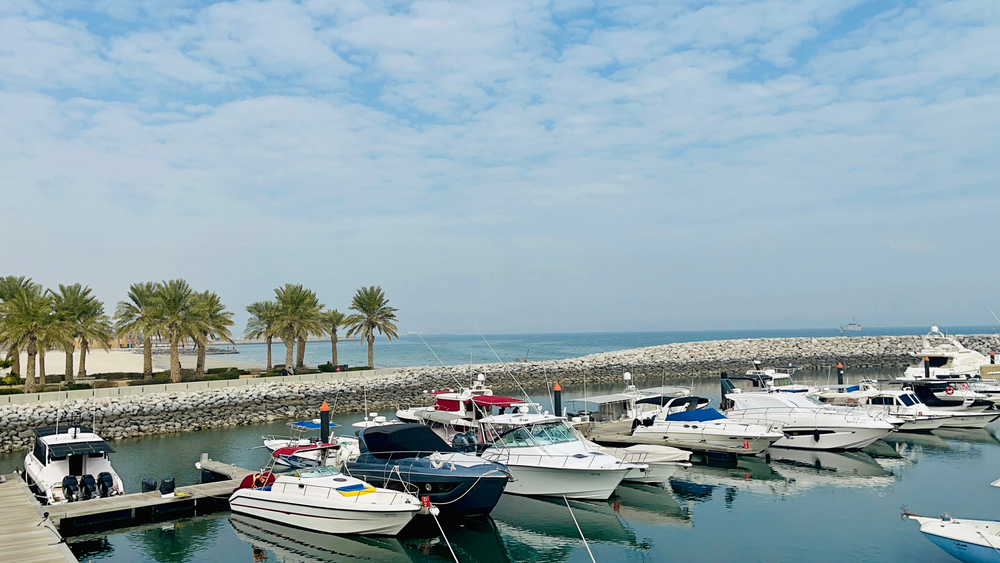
[801,506]
[409,350]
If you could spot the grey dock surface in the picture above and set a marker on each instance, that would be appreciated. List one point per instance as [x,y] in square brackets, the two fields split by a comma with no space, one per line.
[22,539]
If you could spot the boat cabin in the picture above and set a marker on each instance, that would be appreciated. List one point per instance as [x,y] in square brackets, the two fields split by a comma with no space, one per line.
[77,448]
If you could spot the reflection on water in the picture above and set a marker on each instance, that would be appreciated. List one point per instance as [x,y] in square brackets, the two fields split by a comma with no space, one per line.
[289,544]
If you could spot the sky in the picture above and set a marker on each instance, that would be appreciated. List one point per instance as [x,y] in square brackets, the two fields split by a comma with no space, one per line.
[517,166]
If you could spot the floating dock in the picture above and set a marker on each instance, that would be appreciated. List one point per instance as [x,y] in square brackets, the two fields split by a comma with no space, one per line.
[24,537]
[27,536]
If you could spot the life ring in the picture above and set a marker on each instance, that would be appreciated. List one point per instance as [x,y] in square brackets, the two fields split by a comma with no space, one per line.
[949,390]
[436,461]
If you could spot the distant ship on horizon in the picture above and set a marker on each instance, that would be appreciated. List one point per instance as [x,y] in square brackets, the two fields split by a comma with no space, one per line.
[854,325]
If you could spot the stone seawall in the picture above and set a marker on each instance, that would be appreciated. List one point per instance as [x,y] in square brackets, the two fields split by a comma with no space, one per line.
[139,415]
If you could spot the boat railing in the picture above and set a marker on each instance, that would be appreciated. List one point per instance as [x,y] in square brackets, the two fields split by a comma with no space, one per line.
[327,492]
[556,460]
[846,414]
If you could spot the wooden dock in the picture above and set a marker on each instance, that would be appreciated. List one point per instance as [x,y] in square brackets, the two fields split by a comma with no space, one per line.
[22,538]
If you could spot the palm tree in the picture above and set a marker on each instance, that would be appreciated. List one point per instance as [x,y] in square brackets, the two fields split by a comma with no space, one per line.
[333,320]
[213,320]
[262,324]
[139,317]
[373,314]
[298,317]
[9,285]
[54,334]
[26,311]
[82,315]
[175,303]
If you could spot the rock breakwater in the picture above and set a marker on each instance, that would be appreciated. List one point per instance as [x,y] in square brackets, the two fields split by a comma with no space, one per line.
[157,413]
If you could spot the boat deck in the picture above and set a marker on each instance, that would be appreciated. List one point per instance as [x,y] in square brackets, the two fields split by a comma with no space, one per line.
[21,538]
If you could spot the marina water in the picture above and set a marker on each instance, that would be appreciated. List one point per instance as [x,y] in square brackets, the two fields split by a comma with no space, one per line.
[802,506]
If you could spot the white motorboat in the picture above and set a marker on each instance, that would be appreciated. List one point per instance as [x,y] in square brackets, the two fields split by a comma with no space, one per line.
[904,405]
[298,450]
[807,423]
[687,422]
[661,461]
[969,541]
[547,457]
[944,358]
[778,379]
[967,408]
[69,464]
[322,499]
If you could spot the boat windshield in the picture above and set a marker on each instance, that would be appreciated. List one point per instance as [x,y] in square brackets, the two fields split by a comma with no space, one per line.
[538,435]
[906,400]
[782,381]
[313,472]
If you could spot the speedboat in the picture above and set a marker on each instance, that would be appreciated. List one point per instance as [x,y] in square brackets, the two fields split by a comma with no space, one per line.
[969,541]
[547,457]
[689,423]
[904,405]
[456,413]
[62,464]
[299,450]
[807,423]
[323,500]
[411,457]
[656,464]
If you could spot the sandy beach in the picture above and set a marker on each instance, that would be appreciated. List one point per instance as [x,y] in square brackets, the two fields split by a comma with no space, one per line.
[126,360]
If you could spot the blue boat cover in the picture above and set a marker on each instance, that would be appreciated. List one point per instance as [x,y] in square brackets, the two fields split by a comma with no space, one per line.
[697,415]
[309,425]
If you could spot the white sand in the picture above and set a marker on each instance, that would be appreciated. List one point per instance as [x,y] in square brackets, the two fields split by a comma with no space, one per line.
[124,360]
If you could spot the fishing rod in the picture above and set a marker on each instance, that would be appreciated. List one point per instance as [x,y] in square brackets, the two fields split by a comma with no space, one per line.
[518,383]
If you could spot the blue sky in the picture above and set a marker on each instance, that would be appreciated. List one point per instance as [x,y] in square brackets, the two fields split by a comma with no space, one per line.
[524,166]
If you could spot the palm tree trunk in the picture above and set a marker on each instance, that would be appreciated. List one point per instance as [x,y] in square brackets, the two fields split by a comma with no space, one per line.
[371,351]
[68,372]
[29,377]
[15,354]
[300,355]
[147,357]
[289,345]
[84,346]
[199,368]
[41,365]
[175,361]
[268,353]
[333,350]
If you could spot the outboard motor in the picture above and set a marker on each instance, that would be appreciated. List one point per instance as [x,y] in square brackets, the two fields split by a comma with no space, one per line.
[70,488]
[105,484]
[148,485]
[88,487]
[460,442]
[167,486]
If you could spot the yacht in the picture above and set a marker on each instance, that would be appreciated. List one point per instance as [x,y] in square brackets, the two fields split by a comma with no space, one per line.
[457,412]
[323,500]
[969,541]
[688,422]
[807,423]
[944,358]
[660,462]
[779,379]
[69,464]
[967,408]
[547,457]
[904,405]
[412,457]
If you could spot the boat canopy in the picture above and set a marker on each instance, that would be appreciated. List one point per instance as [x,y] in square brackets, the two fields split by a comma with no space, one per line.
[384,441]
[64,449]
[673,401]
[498,401]
[309,425]
[63,429]
[697,415]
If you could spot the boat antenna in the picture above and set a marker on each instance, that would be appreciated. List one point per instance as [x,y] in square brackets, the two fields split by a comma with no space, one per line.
[421,337]
[505,368]
[577,524]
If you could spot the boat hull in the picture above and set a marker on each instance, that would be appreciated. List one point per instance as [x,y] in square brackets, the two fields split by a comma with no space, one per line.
[964,551]
[923,424]
[341,518]
[835,438]
[460,496]
[970,420]
[583,484]
[654,473]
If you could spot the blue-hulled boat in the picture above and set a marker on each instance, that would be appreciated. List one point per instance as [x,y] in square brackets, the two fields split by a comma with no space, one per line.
[412,458]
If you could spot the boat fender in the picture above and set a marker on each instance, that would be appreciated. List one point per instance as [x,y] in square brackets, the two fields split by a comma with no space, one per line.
[436,461]
[635,423]
[949,390]
[816,435]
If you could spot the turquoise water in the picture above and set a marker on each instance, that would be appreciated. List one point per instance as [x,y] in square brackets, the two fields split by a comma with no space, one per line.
[800,506]
[409,350]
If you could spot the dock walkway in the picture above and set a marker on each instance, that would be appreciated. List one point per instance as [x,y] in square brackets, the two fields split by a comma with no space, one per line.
[22,539]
